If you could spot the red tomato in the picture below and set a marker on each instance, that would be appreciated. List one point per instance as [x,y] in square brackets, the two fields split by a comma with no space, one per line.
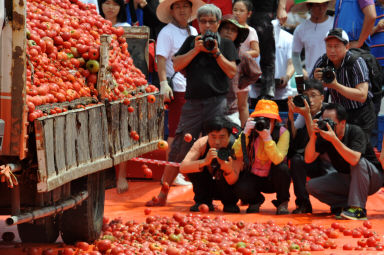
[162,145]
[367,224]
[147,173]
[188,138]
[103,245]
[147,211]
[347,247]
[203,208]
[82,246]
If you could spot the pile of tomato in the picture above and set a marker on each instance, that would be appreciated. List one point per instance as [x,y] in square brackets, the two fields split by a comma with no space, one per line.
[63,48]
[205,234]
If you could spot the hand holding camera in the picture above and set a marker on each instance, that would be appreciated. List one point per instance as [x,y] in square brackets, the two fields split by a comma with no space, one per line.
[326,75]
[207,42]
[295,106]
[326,129]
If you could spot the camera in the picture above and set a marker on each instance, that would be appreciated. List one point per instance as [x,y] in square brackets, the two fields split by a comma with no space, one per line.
[261,123]
[299,79]
[223,154]
[328,74]
[209,40]
[322,124]
[298,100]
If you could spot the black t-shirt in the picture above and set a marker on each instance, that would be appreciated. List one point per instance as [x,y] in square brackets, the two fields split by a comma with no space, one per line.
[264,5]
[204,76]
[354,138]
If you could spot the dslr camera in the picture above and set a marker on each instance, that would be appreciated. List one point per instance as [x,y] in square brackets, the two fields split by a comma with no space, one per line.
[322,124]
[298,100]
[261,123]
[209,40]
[223,154]
[328,74]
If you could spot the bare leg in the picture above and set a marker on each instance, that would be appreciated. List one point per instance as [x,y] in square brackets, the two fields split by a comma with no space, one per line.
[121,182]
[242,104]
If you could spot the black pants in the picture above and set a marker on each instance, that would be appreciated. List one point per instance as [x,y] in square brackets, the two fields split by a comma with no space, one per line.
[299,172]
[261,22]
[364,117]
[207,189]
[250,186]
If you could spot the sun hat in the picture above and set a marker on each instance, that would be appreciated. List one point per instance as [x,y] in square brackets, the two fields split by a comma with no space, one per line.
[301,5]
[266,108]
[242,30]
[337,33]
[163,11]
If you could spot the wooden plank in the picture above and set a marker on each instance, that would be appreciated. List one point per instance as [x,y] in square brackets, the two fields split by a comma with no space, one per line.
[96,134]
[59,143]
[124,133]
[133,124]
[49,147]
[151,121]
[82,142]
[42,173]
[134,152]
[103,79]
[105,130]
[115,127]
[75,173]
[70,140]
[142,119]
[160,116]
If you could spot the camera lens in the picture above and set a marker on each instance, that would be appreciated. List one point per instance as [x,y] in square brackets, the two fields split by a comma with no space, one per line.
[328,74]
[298,100]
[209,40]
[261,123]
[223,154]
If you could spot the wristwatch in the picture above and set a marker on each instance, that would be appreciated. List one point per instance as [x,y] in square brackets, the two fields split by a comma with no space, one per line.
[216,54]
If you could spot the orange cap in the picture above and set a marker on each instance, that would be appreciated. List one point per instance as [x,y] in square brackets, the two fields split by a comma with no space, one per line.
[266,108]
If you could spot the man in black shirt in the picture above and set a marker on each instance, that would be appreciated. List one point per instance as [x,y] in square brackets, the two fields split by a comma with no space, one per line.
[300,130]
[264,11]
[358,171]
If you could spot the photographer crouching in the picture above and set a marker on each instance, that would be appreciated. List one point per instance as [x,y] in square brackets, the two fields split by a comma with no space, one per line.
[212,167]
[358,172]
[263,147]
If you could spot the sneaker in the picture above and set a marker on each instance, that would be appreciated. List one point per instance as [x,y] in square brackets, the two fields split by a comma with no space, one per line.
[337,211]
[195,207]
[354,213]
[282,208]
[302,209]
[253,208]
[231,208]
[180,181]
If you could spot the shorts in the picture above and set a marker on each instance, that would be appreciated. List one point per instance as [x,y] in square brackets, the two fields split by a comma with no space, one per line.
[174,112]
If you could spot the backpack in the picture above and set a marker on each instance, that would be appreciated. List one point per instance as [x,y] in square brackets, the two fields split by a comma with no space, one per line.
[374,68]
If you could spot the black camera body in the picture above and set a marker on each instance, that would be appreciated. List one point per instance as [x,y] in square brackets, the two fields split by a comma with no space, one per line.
[298,100]
[262,123]
[328,74]
[322,124]
[223,154]
[209,40]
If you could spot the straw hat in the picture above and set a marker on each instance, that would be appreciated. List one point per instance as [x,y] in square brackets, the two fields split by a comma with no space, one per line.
[266,108]
[301,5]
[242,30]
[163,11]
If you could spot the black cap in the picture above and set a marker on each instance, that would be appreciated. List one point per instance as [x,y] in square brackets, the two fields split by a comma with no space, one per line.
[338,33]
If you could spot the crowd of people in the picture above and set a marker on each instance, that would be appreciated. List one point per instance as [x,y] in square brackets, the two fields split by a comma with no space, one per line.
[218,59]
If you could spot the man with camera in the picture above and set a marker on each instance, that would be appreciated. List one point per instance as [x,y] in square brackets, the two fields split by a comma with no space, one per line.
[263,147]
[212,168]
[309,106]
[347,83]
[208,62]
[358,172]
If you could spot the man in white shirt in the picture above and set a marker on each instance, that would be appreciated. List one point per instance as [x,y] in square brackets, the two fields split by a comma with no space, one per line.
[284,69]
[308,35]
